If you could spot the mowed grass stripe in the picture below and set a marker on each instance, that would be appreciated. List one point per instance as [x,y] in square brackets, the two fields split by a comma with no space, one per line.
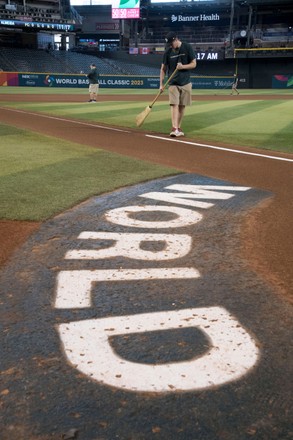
[251,114]
[61,174]
[250,123]
[100,112]
[16,156]
[244,123]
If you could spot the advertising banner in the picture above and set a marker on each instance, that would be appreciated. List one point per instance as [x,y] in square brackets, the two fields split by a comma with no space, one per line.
[106,81]
[282,81]
[51,80]
[125,9]
[9,79]
[206,82]
[37,25]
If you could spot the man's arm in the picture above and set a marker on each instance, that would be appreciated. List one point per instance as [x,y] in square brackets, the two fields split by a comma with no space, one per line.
[162,75]
[190,57]
[189,66]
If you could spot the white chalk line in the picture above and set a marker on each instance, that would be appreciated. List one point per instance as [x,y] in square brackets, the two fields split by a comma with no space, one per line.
[213,147]
[65,120]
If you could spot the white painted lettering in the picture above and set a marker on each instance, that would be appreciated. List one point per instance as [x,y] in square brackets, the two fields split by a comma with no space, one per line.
[122,216]
[179,199]
[74,286]
[196,192]
[232,351]
[129,245]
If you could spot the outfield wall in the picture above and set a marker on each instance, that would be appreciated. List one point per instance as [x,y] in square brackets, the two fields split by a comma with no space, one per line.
[258,72]
[55,80]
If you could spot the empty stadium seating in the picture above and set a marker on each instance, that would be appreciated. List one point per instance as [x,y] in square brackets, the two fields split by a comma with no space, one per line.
[30,60]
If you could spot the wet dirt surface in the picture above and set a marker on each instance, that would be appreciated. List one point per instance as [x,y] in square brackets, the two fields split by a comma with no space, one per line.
[54,394]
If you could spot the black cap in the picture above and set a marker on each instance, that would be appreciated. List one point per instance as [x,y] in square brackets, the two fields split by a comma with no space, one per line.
[170,37]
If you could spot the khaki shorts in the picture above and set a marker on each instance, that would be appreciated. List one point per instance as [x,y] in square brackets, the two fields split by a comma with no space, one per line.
[93,88]
[180,95]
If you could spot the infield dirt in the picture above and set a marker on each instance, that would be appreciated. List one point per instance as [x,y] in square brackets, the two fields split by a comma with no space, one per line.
[266,231]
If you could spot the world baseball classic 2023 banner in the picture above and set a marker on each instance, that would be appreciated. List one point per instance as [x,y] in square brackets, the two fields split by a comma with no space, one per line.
[56,80]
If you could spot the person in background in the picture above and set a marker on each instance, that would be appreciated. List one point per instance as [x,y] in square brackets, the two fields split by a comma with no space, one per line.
[234,85]
[180,56]
[93,78]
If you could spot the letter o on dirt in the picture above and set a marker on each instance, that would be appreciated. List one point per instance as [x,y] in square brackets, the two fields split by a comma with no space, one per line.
[126,217]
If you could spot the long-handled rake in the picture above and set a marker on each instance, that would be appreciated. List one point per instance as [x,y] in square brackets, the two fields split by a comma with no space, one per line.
[144,114]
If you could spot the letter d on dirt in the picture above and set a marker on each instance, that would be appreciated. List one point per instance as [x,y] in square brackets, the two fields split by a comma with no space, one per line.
[231,352]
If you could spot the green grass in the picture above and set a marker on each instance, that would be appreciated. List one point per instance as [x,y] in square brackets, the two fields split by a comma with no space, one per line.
[118,91]
[42,176]
[257,123]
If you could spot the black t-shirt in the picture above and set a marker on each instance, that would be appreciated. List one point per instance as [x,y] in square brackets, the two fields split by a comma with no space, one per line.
[184,54]
[93,76]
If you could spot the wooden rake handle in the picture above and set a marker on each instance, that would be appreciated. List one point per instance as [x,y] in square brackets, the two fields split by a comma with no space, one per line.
[165,85]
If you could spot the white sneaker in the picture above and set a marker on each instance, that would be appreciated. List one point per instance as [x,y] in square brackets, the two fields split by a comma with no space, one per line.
[179,132]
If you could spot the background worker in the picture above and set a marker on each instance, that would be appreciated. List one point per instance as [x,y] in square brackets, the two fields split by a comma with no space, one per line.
[234,85]
[178,55]
[93,78]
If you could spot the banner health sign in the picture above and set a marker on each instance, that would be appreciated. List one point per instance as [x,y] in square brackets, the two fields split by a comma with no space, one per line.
[106,81]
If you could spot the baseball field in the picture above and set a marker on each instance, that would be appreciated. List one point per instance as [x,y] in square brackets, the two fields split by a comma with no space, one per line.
[95,266]
[57,149]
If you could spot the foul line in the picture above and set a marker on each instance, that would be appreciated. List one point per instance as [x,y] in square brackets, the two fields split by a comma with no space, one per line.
[213,147]
[64,120]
